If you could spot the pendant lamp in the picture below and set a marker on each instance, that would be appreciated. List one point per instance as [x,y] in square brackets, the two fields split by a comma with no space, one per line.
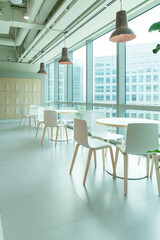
[64,58]
[122,33]
[42,68]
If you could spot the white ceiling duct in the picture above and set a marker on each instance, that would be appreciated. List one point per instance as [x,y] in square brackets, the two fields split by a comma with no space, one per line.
[16,2]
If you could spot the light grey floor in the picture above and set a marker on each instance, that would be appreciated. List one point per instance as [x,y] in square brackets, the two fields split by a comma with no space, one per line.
[39,200]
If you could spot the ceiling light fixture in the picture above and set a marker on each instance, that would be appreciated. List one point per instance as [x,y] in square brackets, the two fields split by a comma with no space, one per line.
[122,33]
[64,59]
[42,67]
[26,16]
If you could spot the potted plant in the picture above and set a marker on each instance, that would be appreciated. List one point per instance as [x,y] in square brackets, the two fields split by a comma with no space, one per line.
[155,27]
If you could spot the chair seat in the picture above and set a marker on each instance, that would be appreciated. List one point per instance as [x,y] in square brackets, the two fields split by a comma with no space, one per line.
[108,136]
[97,144]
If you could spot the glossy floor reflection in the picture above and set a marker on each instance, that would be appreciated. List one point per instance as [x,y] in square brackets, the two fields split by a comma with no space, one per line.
[39,200]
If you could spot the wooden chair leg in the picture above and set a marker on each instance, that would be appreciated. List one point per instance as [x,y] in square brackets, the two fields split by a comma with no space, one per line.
[20,122]
[116,157]
[66,133]
[113,163]
[125,173]
[155,157]
[25,122]
[51,133]
[56,136]
[95,159]
[74,157]
[48,132]
[87,166]
[147,163]
[30,121]
[43,134]
[34,121]
[151,172]
[37,128]
[103,158]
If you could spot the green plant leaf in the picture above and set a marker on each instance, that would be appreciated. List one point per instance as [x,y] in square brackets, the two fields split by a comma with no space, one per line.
[154,151]
[156,49]
[154,27]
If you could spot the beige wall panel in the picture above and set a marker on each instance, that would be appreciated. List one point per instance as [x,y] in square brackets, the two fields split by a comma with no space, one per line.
[17,111]
[2,98]
[18,98]
[36,99]
[10,84]
[28,85]
[27,98]
[2,112]
[9,99]
[36,85]
[19,85]
[2,84]
[9,112]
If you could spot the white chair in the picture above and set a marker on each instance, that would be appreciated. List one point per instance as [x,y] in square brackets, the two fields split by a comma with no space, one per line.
[100,131]
[50,120]
[26,116]
[81,137]
[40,118]
[140,138]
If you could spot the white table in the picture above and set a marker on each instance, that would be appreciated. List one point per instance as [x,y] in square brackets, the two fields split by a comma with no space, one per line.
[138,172]
[123,122]
[63,111]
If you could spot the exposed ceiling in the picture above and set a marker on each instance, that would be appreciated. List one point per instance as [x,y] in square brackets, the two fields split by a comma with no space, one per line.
[43,35]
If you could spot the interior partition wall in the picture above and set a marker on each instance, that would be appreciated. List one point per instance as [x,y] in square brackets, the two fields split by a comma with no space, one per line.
[118,79]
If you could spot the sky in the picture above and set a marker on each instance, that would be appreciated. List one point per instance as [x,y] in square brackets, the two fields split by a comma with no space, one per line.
[139,25]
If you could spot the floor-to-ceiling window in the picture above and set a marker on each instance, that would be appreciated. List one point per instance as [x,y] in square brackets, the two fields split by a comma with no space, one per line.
[142,65]
[62,83]
[51,82]
[79,75]
[104,72]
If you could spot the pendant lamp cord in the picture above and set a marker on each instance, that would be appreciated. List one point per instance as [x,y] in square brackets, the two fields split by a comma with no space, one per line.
[121,4]
[65,38]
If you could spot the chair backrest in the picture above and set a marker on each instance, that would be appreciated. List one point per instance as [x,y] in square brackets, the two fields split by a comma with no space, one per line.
[50,118]
[41,114]
[141,137]
[97,129]
[86,115]
[23,112]
[80,132]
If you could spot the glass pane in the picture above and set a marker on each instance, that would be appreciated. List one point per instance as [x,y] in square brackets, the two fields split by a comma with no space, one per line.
[142,114]
[142,65]
[79,75]
[62,83]
[104,70]
[51,82]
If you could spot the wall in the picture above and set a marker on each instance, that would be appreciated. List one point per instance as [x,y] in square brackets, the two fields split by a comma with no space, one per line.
[23,70]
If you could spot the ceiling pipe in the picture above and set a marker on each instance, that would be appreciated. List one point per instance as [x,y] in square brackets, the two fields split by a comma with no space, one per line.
[45,10]
[47,26]
[33,9]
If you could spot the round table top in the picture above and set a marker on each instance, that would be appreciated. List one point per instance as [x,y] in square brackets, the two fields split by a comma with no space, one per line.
[65,111]
[123,122]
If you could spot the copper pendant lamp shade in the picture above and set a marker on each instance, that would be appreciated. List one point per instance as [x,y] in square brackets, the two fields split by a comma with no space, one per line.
[122,33]
[42,69]
[64,59]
